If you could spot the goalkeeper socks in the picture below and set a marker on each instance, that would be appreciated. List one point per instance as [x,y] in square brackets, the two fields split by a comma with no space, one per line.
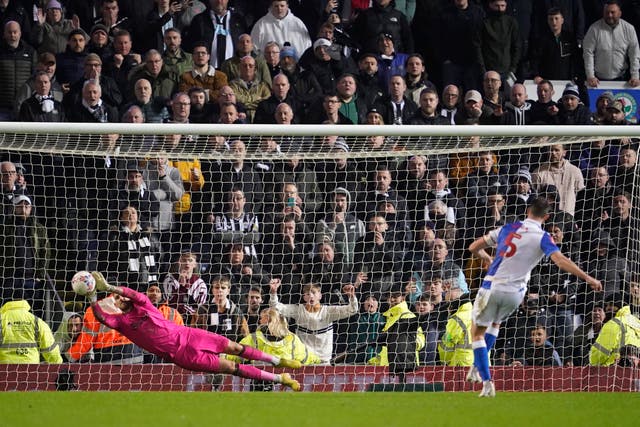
[490,337]
[255,354]
[248,371]
[481,359]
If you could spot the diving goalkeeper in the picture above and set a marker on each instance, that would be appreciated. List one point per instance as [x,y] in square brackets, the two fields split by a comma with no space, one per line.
[189,348]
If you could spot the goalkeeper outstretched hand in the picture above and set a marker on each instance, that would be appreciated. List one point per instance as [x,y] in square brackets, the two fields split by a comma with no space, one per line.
[101,282]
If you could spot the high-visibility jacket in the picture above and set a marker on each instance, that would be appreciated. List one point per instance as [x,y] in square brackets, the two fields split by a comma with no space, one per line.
[108,345]
[185,167]
[24,337]
[393,315]
[171,314]
[623,329]
[455,347]
[289,347]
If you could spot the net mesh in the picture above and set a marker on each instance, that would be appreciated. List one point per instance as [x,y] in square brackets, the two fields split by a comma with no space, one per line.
[217,226]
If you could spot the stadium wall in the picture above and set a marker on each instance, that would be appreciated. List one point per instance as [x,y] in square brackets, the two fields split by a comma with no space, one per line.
[161,377]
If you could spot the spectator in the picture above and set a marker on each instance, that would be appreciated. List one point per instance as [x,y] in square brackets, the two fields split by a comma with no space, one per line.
[13,10]
[91,108]
[228,96]
[174,56]
[245,47]
[47,63]
[498,43]
[280,92]
[136,194]
[17,61]
[555,54]
[254,308]
[304,83]
[25,255]
[100,344]
[200,109]
[518,108]
[382,16]
[9,188]
[272,58]
[68,332]
[615,115]
[93,71]
[203,27]
[390,62]
[428,112]
[439,263]
[120,65]
[285,249]
[625,170]
[327,64]
[396,108]
[604,263]
[99,42]
[401,338]
[539,350]
[30,334]
[475,112]
[110,17]
[280,25]
[221,315]
[482,178]
[51,31]
[416,77]
[203,75]
[248,87]
[585,335]
[42,106]
[327,269]
[439,190]
[571,110]
[460,23]
[314,321]
[610,48]
[236,224]
[243,271]
[163,81]
[363,333]
[566,177]
[163,17]
[184,288]
[340,225]
[519,195]
[128,255]
[492,92]
[70,62]
[618,225]
[369,86]
[544,108]
[154,108]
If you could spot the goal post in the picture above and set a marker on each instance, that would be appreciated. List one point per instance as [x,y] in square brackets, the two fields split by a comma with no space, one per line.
[390,210]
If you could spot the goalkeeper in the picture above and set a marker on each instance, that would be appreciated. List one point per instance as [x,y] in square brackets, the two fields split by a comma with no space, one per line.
[189,348]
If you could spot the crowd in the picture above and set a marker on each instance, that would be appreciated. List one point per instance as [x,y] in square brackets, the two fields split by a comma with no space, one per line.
[367,258]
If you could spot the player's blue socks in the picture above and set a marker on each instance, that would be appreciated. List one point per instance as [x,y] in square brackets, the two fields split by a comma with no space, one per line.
[481,359]
[490,337]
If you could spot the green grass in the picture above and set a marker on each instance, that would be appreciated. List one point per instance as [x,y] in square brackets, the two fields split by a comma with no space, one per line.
[51,409]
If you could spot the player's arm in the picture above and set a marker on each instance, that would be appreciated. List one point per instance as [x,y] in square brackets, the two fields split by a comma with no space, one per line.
[478,247]
[103,285]
[565,264]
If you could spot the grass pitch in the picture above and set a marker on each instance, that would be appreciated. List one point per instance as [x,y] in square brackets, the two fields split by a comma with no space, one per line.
[52,409]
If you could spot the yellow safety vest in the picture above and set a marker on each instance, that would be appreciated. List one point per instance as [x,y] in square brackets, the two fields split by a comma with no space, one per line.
[455,347]
[24,337]
[395,313]
[624,329]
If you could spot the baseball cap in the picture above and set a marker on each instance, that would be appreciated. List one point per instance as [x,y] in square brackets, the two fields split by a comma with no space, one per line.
[100,27]
[21,198]
[53,4]
[616,105]
[472,95]
[321,42]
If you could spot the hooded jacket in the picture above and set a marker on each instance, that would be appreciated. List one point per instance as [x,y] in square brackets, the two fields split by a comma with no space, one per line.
[624,329]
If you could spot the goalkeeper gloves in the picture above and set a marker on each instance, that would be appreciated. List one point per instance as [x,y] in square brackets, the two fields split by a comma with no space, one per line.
[101,282]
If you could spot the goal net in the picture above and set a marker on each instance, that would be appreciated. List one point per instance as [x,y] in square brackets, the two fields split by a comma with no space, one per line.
[357,236]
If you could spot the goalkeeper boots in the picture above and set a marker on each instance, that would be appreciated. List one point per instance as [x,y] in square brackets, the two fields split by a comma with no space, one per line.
[488,389]
[473,376]
[287,381]
[289,363]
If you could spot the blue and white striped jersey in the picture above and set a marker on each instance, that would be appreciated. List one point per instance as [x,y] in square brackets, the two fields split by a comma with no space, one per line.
[519,248]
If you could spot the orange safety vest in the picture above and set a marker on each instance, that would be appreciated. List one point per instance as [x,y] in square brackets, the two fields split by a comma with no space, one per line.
[95,336]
